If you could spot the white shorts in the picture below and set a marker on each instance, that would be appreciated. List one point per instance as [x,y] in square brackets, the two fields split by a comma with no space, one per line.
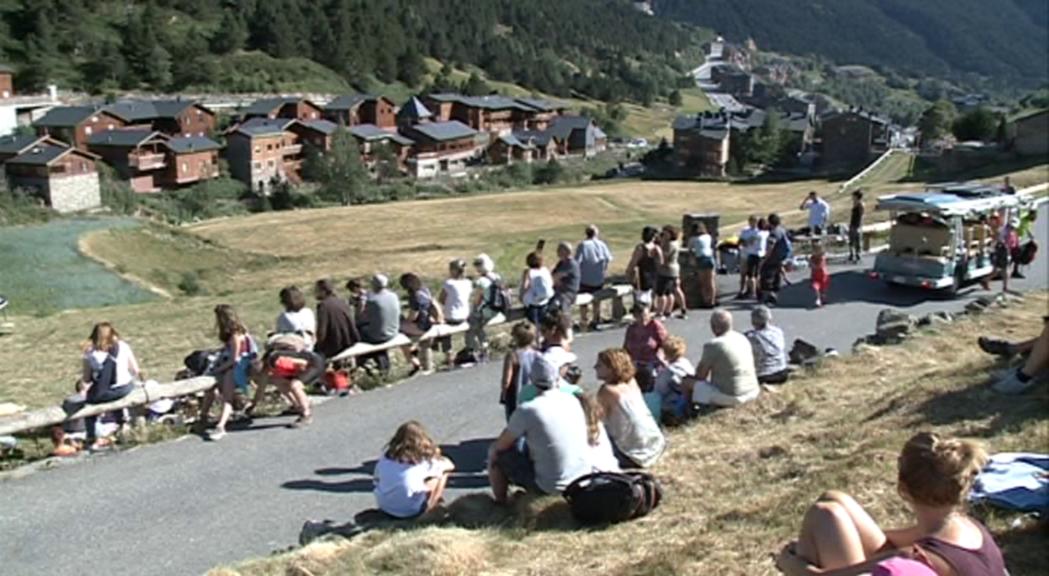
[706,393]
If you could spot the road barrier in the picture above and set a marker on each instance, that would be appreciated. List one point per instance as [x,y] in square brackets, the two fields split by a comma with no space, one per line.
[150,392]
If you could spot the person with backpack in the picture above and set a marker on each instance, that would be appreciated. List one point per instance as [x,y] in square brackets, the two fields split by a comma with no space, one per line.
[634,431]
[421,316]
[491,298]
[1027,247]
[233,370]
[594,257]
[643,268]
[109,371]
[555,450]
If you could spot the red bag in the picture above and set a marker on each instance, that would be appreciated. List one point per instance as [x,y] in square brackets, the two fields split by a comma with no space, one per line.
[337,381]
[287,368]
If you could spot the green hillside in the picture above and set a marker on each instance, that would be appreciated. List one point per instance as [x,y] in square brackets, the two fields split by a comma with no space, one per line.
[963,40]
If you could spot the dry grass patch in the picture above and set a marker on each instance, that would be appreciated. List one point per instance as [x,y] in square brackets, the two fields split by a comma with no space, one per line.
[738,482]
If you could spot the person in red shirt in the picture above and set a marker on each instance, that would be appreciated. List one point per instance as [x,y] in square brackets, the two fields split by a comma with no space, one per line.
[644,342]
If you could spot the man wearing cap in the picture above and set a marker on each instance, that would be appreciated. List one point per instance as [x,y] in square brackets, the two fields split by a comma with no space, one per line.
[382,313]
[560,359]
[770,347]
[555,451]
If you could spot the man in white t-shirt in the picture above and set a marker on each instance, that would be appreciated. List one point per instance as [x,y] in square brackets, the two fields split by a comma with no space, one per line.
[819,213]
[556,450]
[726,374]
[749,252]
[483,307]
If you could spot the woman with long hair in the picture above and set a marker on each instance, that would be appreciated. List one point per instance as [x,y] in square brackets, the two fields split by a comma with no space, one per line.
[233,370]
[109,370]
[634,431]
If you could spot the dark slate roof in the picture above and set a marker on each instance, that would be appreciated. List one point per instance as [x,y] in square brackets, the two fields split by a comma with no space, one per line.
[866,114]
[540,104]
[6,68]
[495,102]
[563,126]
[41,155]
[325,126]
[61,116]
[372,133]
[712,125]
[351,101]
[513,141]
[264,106]
[185,144]
[446,97]
[684,123]
[122,138]
[264,126]
[535,137]
[132,110]
[451,130]
[16,144]
[414,109]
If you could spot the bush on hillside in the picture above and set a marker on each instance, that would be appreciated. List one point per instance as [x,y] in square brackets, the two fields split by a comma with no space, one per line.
[20,207]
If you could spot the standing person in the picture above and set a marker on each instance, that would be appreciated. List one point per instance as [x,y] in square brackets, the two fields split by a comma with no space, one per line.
[702,248]
[644,341]
[726,374]
[770,271]
[537,287]
[566,275]
[1027,247]
[643,268]
[819,213]
[297,318]
[856,227]
[1007,186]
[556,450]
[820,276]
[668,283]
[412,474]
[109,370]
[1004,238]
[422,315]
[594,257]
[487,304]
[517,366]
[455,303]
[748,240]
[635,434]
[233,369]
[934,478]
[335,328]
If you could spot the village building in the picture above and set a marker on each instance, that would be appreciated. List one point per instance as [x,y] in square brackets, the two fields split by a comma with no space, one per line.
[152,161]
[75,124]
[15,144]
[508,149]
[65,178]
[800,125]
[701,144]
[370,137]
[264,151]
[171,117]
[291,107]
[853,137]
[440,148]
[733,80]
[1030,134]
[415,112]
[7,81]
[577,135]
[494,114]
[359,109]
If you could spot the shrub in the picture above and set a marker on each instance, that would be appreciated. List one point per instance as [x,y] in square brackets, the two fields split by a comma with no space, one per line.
[550,173]
[190,284]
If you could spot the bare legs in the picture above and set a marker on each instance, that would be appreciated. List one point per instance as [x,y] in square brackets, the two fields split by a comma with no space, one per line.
[497,479]
[837,532]
[708,289]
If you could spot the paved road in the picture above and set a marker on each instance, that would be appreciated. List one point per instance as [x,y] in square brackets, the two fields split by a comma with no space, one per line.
[184,507]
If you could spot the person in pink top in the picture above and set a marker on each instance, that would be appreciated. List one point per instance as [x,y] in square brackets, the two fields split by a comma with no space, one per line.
[644,342]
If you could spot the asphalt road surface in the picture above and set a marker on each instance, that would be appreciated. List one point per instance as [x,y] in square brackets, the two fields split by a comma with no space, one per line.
[186,506]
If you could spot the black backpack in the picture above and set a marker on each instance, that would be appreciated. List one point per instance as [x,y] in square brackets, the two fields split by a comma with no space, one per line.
[499,298]
[611,497]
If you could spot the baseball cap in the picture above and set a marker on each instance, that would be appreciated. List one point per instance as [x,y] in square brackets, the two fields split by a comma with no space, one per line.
[544,374]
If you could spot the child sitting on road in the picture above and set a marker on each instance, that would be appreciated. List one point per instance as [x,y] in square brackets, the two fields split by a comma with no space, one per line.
[411,474]
[935,476]
[820,276]
[668,380]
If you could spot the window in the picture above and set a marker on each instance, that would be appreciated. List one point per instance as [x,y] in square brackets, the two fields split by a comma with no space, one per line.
[258,165]
[271,164]
[257,149]
[109,126]
[185,167]
[87,130]
[269,147]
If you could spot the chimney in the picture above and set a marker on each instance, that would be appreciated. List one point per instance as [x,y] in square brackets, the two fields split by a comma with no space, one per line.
[52,92]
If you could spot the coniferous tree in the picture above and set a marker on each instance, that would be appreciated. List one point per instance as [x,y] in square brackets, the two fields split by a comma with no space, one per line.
[232,33]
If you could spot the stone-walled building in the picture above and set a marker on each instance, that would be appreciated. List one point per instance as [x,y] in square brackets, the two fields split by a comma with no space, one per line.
[65,177]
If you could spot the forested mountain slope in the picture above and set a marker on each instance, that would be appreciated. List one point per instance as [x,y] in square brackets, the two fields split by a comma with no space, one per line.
[597,48]
[957,39]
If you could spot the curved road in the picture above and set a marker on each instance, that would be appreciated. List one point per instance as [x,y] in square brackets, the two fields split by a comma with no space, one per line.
[187,506]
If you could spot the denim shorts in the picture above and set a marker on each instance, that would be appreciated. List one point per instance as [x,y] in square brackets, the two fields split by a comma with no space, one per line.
[242,371]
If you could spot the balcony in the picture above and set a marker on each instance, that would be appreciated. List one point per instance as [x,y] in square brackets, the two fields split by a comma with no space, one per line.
[149,161]
[292,149]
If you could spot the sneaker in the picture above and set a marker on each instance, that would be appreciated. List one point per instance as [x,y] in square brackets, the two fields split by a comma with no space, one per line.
[216,435]
[313,530]
[1011,384]
[1019,275]
[682,315]
[994,346]
[594,326]
[301,422]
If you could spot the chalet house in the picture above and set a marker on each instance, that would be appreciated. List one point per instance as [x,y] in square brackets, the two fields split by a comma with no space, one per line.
[65,177]
[14,145]
[1030,134]
[263,151]
[7,81]
[283,107]
[75,124]
[508,149]
[701,144]
[359,109]
[733,80]
[542,144]
[853,137]
[577,135]
[172,117]
[152,161]
[370,137]
[315,133]
[493,114]
[440,148]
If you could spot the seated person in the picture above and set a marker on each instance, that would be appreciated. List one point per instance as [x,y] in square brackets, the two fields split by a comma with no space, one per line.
[1021,379]
[838,537]
[411,475]
[335,330]
[725,376]
[381,320]
[555,451]
[602,455]
[291,371]
[561,360]
[296,318]
[770,347]
[671,375]
[634,431]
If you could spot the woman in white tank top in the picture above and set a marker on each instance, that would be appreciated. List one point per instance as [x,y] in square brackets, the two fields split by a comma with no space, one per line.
[630,424]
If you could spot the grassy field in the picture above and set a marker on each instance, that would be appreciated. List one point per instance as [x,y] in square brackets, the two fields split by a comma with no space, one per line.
[42,271]
[737,483]
[895,168]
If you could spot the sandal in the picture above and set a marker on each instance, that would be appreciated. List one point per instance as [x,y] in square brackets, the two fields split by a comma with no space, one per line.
[301,422]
